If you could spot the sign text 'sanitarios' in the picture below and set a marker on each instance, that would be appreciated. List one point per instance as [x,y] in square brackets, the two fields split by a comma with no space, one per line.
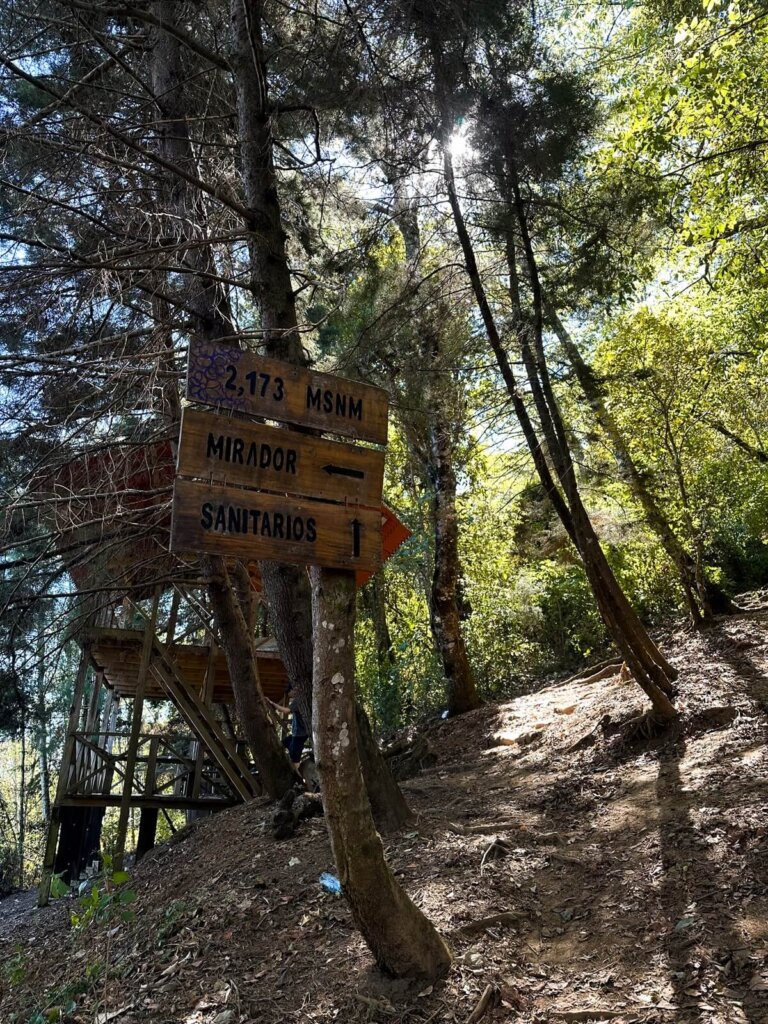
[237,523]
[234,379]
[232,450]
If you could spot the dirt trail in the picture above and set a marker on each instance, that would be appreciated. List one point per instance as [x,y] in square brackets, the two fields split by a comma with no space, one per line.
[634,879]
[16,911]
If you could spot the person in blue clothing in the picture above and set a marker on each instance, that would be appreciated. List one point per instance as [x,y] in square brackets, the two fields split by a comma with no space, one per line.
[297,731]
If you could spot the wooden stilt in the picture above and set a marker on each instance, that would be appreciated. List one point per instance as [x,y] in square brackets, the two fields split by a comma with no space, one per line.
[133,742]
[210,674]
[44,891]
[148,816]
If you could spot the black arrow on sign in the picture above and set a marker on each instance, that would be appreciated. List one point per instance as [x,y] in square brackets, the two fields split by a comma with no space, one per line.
[356,524]
[358,474]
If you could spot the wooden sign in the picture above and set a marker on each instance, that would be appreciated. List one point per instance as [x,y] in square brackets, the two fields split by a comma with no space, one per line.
[275,390]
[238,451]
[252,525]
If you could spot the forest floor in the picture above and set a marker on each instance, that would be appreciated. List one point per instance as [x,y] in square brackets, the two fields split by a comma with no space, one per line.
[633,876]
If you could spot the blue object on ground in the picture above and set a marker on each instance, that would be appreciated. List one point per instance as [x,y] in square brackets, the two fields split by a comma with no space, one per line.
[330,882]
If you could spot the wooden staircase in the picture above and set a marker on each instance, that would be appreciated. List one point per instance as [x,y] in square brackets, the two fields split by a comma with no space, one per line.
[203,723]
[106,766]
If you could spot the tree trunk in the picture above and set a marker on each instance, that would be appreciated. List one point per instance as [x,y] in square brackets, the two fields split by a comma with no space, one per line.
[270,274]
[402,940]
[388,805]
[286,588]
[290,612]
[22,825]
[275,770]
[289,604]
[373,602]
[444,612]
[147,832]
[42,726]
[445,615]
[651,671]
[698,604]
[204,294]
[211,322]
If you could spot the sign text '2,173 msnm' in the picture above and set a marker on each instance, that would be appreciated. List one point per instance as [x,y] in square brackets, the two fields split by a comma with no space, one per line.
[232,378]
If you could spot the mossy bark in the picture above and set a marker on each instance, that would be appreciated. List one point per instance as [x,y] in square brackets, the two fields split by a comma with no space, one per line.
[403,941]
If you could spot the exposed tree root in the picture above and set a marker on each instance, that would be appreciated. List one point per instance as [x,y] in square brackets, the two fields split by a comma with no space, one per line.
[293,808]
[420,754]
[591,673]
[644,728]
[506,919]
[490,998]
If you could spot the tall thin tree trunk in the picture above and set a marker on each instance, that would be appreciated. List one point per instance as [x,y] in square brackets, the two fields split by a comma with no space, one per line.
[204,294]
[211,322]
[22,825]
[373,602]
[650,669]
[649,666]
[285,587]
[713,595]
[402,940]
[289,605]
[445,613]
[271,283]
[388,805]
[42,727]
[45,775]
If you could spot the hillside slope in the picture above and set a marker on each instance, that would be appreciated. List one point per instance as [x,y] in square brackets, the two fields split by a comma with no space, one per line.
[633,876]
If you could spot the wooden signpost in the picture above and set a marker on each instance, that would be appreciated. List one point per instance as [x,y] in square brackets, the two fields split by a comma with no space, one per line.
[233,379]
[253,525]
[237,451]
[248,490]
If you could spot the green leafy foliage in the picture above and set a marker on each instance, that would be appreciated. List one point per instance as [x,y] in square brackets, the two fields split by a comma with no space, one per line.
[15,967]
[105,900]
[59,887]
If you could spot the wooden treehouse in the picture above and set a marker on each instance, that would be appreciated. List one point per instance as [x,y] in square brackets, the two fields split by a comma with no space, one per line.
[112,522]
[193,761]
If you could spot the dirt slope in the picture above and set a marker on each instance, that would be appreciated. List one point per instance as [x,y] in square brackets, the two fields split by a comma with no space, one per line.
[634,877]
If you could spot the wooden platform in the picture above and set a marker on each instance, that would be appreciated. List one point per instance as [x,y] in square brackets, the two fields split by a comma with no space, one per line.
[117,652]
[167,802]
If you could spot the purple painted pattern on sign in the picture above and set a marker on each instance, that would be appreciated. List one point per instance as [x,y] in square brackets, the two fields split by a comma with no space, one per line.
[207,374]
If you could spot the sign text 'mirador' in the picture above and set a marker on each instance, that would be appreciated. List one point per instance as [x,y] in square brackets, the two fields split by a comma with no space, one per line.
[258,456]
